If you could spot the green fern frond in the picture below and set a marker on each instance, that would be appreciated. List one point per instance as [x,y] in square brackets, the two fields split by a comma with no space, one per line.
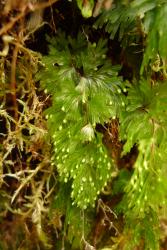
[145,234]
[155,24]
[76,221]
[118,19]
[85,91]
[123,19]
[145,125]
[138,19]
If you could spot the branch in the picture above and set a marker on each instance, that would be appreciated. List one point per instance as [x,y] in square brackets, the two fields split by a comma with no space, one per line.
[25,181]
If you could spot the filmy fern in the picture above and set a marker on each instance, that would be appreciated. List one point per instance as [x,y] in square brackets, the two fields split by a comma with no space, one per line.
[125,19]
[155,25]
[85,91]
[144,124]
[135,20]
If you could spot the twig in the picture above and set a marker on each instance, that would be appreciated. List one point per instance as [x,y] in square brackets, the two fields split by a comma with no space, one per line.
[9,25]
[40,166]
[13,81]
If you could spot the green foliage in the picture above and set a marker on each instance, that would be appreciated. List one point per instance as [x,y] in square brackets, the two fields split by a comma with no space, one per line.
[145,233]
[102,152]
[125,19]
[136,20]
[85,91]
[77,222]
[144,124]
[155,26]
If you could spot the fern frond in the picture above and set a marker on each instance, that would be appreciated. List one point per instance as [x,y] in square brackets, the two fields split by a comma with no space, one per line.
[138,19]
[123,19]
[156,41]
[85,91]
[145,234]
[119,19]
[76,221]
[145,125]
